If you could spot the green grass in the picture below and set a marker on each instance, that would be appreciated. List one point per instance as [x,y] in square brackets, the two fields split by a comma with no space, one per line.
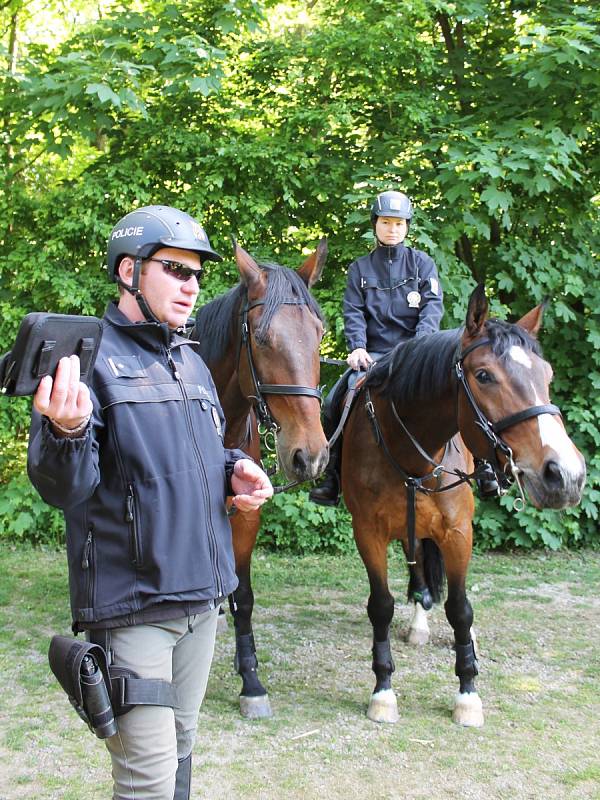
[536,617]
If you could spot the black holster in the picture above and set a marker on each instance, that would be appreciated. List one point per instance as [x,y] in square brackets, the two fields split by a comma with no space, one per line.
[100,692]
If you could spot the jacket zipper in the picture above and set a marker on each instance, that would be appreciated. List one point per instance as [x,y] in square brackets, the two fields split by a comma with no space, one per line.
[212,543]
[88,564]
[131,518]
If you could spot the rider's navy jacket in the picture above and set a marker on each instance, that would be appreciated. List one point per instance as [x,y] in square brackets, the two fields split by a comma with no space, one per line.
[143,490]
[392,294]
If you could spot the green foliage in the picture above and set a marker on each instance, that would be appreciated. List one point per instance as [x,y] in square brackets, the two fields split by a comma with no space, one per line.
[277,123]
[25,516]
[291,522]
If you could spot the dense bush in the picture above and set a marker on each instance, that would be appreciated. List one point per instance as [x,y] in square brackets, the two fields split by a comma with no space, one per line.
[277,123]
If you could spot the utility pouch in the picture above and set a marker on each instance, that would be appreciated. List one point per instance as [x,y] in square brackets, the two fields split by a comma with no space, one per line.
[43,339]
[100,693]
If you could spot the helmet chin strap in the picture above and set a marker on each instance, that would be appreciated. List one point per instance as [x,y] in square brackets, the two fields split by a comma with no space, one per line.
[134,289]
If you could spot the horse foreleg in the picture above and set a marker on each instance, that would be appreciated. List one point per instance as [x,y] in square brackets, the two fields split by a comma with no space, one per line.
[254,699]
[383,706]
[468,709]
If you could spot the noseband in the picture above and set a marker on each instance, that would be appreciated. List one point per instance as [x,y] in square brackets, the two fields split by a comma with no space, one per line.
[266,422]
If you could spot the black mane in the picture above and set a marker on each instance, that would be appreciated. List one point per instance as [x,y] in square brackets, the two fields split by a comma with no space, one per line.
[214,321]
[420,369]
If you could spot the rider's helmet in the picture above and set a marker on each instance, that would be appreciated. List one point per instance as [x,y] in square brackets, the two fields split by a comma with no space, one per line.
[391,204]
[144,231]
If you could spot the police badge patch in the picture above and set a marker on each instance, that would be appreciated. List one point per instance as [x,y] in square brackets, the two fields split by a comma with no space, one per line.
[413,299]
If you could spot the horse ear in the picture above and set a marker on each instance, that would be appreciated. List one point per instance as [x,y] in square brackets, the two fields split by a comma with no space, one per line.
[311,270]
[532,321]
[477,312]
[251,274]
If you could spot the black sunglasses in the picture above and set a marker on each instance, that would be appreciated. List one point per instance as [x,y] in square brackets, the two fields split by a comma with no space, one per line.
[178,270]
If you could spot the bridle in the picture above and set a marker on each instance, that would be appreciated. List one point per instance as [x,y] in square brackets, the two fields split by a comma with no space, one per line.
[268,427]
[492,430]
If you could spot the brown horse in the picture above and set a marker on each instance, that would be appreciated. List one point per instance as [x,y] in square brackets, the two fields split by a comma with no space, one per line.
[404,468]
[261,342]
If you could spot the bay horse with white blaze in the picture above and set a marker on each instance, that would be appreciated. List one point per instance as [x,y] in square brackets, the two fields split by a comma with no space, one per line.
[261,343]
[405,471]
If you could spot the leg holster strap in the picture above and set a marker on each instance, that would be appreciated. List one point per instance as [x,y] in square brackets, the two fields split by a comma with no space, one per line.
[129,690]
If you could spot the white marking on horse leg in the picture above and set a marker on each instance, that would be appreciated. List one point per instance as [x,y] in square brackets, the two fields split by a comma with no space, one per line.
[468,710]
[383,707]
[552,434]
[418,631]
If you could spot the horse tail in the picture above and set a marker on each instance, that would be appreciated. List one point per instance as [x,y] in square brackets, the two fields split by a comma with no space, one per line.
[433,568]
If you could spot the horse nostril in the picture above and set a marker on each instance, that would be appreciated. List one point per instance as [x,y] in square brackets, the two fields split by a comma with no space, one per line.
[553,476]
[299,462]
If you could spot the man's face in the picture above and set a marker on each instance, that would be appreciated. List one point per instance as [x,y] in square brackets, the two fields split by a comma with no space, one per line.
[171,300]
[390,230]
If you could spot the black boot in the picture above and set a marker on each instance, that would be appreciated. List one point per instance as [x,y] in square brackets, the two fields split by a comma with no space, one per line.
[487,483]
[183,779]
[327,493]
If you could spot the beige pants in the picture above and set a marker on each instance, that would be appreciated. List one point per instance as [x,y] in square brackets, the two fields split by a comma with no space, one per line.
[151,739]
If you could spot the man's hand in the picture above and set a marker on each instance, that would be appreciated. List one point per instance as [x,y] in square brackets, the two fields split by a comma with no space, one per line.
[66,400]
[359,359]
[250,484]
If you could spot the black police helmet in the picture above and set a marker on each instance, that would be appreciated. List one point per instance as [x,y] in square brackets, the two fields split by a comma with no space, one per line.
[143,232]
[391,204]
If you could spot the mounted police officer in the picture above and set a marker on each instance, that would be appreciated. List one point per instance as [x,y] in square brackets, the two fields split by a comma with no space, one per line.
[137,464]
[392,295]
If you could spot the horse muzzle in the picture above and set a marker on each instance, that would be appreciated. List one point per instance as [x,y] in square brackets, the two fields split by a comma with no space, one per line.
[555,485]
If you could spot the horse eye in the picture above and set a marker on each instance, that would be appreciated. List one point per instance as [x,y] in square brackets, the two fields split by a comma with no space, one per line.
[483,376]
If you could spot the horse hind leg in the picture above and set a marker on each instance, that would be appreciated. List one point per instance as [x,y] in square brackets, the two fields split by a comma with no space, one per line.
[426,579]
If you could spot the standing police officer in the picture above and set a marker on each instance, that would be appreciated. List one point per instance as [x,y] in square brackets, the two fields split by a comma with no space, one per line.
[137,464]
[392,295]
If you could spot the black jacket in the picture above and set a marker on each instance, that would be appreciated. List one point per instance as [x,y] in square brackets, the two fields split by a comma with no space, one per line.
[143,490]
[379,309]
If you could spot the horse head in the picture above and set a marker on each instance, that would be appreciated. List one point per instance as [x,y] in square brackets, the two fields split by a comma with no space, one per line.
[279,368]
[504,409]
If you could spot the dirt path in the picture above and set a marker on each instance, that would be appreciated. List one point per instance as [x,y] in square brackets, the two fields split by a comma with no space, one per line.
[538,624]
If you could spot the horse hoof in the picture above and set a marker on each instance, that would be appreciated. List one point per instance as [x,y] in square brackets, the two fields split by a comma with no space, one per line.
[383,707]
[417,637]
[255,707]
[468,710]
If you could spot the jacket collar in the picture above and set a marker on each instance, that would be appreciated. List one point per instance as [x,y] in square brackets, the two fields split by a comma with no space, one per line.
[150,334]
[389,252]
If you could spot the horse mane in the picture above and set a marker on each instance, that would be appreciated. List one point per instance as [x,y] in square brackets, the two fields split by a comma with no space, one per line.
[214,321]
[421,367]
